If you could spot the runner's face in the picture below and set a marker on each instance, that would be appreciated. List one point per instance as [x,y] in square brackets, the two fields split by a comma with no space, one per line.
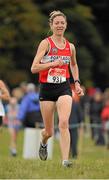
[59,25]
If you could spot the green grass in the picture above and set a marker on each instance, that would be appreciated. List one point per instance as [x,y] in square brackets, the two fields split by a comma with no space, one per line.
[93,162]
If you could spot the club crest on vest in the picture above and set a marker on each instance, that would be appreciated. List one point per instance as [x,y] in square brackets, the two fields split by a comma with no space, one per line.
[54,50]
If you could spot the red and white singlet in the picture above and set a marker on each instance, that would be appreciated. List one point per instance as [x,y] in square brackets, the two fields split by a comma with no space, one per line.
[57,74]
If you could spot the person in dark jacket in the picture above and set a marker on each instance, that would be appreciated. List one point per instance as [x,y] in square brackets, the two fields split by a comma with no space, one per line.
[76,117]
[96,106]
[105,121]
[29,111]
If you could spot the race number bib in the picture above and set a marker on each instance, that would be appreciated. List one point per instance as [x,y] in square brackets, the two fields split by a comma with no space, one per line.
[56,75]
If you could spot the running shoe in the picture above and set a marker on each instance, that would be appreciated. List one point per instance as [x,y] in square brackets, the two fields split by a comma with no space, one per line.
[43,152]
[13,152]
[67,164]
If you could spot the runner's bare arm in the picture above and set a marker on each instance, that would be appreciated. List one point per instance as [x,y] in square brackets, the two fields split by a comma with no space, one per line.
[36,65]
[73,64]
[75,71]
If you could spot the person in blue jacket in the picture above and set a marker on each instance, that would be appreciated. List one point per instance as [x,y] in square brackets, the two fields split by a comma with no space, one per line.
[29,111]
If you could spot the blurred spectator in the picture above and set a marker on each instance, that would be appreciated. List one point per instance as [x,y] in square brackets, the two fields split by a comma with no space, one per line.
[23,87]
[85,105]
[105,120]
[29,111]
[17,92]
[76,118]
[4,96]
[13,123]
[106,94]
[96,106]
[91,91]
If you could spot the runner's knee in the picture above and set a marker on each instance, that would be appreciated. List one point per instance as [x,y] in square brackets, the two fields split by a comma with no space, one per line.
[63,124]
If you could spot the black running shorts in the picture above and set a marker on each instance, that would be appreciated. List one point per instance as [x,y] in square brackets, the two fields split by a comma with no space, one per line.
[51,91]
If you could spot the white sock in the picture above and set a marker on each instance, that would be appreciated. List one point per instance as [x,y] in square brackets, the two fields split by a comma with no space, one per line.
[44,145]
[64,161]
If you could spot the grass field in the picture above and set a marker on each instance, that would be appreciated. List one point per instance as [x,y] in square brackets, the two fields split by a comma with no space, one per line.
[93,162]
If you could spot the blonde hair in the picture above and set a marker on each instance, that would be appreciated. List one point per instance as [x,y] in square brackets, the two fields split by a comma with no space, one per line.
[53,14]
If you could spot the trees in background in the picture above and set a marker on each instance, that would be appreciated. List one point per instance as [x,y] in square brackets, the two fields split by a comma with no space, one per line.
[100,10]
[23,23]
[21,28]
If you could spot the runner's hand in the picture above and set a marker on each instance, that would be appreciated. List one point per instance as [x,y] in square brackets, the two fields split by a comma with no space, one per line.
[58,62]
[78,90]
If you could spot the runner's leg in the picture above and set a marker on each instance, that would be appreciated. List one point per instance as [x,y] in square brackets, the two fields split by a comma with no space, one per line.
[64,104]
[47,110]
